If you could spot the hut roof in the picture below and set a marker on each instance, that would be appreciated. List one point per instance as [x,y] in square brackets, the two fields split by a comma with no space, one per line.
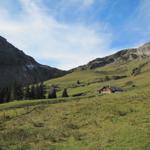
[113,88]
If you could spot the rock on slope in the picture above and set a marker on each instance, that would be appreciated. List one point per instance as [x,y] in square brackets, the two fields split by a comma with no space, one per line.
[119,57]
[16,66]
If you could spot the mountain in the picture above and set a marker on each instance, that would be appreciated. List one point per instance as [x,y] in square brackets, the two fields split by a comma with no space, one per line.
[17,67]
[120,57]
[127,113]
[86,120]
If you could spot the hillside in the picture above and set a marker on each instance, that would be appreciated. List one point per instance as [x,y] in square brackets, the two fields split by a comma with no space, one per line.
[111,74]
[92,121]
[120,57]
[15,66]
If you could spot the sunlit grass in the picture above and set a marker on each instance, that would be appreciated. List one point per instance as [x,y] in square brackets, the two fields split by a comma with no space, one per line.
[91,122]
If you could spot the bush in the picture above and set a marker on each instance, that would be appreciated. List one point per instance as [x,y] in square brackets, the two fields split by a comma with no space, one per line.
[129,83]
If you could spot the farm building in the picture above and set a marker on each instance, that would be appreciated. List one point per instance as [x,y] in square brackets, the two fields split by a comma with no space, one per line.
[109,90]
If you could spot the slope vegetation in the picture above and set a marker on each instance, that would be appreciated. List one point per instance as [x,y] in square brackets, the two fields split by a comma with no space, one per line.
[91,122]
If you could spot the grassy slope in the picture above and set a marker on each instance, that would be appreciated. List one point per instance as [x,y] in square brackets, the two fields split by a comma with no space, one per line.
[94,122]
[88,78]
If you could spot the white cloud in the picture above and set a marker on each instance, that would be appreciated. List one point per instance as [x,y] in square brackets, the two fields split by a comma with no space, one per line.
[83,3]
[88,2]
[45,38]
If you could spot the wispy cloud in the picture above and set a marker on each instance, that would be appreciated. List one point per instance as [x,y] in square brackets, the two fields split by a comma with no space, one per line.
[44,37]
[79,4]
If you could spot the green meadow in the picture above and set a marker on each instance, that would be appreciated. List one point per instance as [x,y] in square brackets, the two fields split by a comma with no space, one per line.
[94,121]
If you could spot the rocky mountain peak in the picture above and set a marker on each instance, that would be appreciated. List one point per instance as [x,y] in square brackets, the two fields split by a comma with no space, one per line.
[120,57]
[144,50]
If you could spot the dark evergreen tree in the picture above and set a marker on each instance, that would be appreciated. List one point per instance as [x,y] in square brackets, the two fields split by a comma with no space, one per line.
[65,93]
[2,95]
[18,92]
[27,94]
[12,95]
[37,92]
[42,90]
[8,94]
[78,82]
[52,93]
[13,92]
[5,95]
[33,92]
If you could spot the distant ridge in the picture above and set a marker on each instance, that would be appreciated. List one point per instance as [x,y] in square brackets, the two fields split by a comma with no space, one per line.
[122,56]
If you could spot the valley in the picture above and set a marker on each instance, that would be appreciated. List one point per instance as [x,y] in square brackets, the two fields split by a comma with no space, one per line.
[92,121]
[74,75]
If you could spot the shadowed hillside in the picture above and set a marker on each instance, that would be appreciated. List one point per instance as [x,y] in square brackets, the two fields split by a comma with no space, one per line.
[17,67]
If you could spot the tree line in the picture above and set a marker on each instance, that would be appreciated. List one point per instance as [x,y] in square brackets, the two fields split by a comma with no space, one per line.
[38,91]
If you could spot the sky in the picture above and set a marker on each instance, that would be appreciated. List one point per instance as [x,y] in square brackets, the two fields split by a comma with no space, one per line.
[69,33]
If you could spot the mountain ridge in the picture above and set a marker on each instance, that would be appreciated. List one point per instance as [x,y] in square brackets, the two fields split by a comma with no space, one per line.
[121,56]
[16,66]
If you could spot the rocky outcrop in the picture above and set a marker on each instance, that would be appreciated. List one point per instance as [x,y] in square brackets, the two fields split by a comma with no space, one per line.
[120,57]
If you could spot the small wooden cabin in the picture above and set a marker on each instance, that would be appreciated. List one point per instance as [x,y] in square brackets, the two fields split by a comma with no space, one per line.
[109,90]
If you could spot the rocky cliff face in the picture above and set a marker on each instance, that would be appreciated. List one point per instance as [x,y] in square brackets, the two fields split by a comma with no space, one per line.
[119,57]
[16,66]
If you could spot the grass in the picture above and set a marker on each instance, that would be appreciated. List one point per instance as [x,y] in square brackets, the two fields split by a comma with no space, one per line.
[118,121]
[89,78]
[92,122]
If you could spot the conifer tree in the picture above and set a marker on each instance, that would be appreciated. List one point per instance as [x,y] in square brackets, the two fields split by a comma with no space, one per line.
[18,92]
[37,92]
[42,90]
[27,94]
[65,93]
[78,82]
[33,92]
[52,93]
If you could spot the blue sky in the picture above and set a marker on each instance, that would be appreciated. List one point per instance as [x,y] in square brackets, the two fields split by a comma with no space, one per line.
[68,33]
